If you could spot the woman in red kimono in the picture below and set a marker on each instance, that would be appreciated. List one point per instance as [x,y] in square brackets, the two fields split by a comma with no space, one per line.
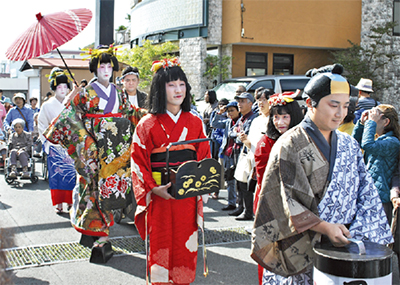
[170,224]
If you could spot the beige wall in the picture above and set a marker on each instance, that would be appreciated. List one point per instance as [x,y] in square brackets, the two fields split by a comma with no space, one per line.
[300,23]
[304,59]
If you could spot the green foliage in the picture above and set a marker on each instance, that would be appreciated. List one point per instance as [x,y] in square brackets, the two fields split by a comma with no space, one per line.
[143,57]
[366,62]
[121,28]
[217,66]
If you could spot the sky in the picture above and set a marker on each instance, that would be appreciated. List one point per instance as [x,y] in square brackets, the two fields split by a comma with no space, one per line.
[16,16]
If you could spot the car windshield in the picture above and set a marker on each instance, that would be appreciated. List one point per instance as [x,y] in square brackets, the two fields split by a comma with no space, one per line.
[227,89]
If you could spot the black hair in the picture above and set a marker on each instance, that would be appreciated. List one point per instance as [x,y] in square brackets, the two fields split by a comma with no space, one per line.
[130,69]
[1,91]
[351,109]
[104,58]
[265,91]
[296,116]
[223,101]
[84,81]
[33,98]
[57,80]
[48,94]
[212,96]
[157,99]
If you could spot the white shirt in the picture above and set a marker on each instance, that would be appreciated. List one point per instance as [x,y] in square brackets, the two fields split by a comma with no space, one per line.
[133,100]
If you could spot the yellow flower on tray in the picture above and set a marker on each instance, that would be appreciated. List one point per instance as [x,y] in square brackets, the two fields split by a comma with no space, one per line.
[203,178]
[198,184]
[213,170]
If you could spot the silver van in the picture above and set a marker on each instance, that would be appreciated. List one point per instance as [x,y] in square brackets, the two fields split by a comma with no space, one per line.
[277,83]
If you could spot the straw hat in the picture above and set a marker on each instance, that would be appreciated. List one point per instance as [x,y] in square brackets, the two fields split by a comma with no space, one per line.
[365,85]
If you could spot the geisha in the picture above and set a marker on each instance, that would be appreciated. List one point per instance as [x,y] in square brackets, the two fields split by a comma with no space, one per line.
[96,129]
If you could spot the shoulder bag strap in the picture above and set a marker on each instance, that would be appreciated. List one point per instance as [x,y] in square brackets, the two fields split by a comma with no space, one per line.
[26,123]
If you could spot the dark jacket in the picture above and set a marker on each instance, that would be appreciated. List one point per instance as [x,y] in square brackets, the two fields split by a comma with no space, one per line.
[141,96]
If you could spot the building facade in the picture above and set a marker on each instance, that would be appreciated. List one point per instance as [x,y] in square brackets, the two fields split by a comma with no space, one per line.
[262,37]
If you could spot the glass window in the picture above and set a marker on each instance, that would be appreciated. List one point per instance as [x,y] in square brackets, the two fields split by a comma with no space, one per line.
[269,84]
[396,17]
[283,64]
[256,64]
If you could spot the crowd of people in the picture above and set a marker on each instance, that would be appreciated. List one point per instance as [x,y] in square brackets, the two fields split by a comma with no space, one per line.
[331,169]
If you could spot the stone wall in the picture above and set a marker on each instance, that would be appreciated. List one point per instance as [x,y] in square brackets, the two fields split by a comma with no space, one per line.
[214,22]
[193,51]
[376,13]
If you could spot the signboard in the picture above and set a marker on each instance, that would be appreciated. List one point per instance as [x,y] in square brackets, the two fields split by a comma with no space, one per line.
[155,16]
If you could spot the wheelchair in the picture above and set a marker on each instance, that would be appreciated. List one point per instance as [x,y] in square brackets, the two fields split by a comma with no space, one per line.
[31,169]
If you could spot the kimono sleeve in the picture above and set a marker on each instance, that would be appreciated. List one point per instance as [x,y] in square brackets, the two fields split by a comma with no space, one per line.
[287,208]
[69,130]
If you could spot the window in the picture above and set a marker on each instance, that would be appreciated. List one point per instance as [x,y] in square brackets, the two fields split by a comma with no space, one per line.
[396,17]
[270,84]
[256,64]
[283,64]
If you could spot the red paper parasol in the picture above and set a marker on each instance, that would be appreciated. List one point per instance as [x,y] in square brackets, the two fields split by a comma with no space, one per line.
[50,32]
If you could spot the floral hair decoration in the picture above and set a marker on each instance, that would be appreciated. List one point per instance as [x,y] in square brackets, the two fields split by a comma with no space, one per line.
[165,63]
[282,99]
[102,49]
[53,75]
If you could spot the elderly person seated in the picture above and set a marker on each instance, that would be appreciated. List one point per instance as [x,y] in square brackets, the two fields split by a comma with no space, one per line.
[20,147]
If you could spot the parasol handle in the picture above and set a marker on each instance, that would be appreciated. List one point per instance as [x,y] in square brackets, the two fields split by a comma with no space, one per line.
[69,71]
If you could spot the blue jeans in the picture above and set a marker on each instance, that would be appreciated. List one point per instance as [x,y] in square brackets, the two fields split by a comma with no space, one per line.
[228,161]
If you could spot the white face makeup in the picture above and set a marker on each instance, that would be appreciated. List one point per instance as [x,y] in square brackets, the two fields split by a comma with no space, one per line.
[176,92]
[61,91]
[104,73]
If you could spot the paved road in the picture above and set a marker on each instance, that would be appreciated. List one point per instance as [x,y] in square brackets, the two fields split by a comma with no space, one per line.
[26,211]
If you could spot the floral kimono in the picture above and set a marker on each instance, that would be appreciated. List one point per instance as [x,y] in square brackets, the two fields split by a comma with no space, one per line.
[99,143]
[307,181]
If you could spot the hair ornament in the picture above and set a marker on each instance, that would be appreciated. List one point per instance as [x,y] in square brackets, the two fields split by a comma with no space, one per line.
[165,63]
[102,49]
[53,75]
[282,99]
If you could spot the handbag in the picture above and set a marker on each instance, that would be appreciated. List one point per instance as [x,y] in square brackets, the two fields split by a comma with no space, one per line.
[243,166]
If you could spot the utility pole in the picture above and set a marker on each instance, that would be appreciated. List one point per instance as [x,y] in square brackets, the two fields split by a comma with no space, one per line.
[104,22]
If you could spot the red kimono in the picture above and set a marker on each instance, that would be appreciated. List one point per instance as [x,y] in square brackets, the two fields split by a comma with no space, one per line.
[172,225]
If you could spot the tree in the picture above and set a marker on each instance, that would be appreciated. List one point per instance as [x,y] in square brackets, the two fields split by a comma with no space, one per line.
[366,61]
[217,66]
[143,57]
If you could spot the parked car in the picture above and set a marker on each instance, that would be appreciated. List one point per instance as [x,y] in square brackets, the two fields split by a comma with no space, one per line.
[278,83]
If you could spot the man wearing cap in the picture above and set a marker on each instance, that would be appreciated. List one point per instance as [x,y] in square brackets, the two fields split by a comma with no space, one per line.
[19,111]
[130,81]
[315,184]
[242,127]
[365,102]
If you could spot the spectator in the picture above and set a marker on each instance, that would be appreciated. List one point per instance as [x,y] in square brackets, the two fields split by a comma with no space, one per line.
[37,143]
[210,98]
[33,105]
[381,154]
[239,90]
[130,80]
[257,129]
[19,111]
[20,145]
[347,125]
[395,198]
[217,135]
[226,149]
[3,148]
[7,104]
[48,96]
[3,114]
[365,102]
[242,127]
[314,184]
